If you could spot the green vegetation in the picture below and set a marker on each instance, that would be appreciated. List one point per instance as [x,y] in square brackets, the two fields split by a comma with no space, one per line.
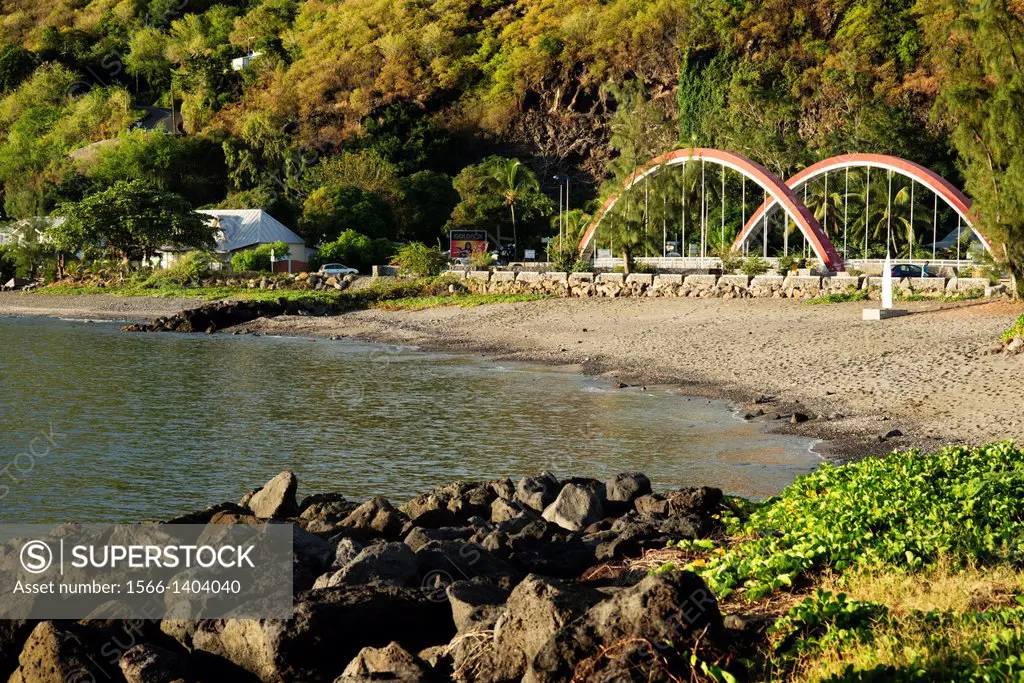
[909,566]
[419,260]
[258,259]
[463,300]
[839,297]
[1014,330]
[755,265]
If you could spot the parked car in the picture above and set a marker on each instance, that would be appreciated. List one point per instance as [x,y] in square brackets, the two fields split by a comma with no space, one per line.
[337,269]
[906,270]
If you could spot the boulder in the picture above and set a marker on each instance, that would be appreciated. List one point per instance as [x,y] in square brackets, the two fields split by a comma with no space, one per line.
[377,517]
[626,487]
[669,610]
[345,550]
[450,505]
[56,652]
[393,663]
[702,501]
[575,508]
[13,634]
[417,538]
[205,515]
[503,510]
[461,559]
[392,563]
[538,492]
[149,663]
[276,500]
[329,628]
[475,603]
[536,610]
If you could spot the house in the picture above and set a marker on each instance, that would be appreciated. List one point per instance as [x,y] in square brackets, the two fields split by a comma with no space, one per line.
[27,231]
[241,63]
[241,229]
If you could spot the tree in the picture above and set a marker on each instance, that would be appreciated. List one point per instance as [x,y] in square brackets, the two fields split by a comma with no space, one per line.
[428,198]
[146,57]
[331,210]
[497,192]
[16,64]
[982,97]
[356,251]
[626,229]
[129,221]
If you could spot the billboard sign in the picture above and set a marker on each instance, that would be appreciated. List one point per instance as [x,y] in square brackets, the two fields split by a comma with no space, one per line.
[464,242]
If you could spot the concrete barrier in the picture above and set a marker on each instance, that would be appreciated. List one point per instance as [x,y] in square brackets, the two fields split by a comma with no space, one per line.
[734,281]
[701,281]
[528,276]
[481,275]
[924,285]
[555,276]
[665,279]
[640,279]
[503,276]
[840,283]
[611,278]
[965,283]
[768,281]
[384,271]
[805,283]
[580,278]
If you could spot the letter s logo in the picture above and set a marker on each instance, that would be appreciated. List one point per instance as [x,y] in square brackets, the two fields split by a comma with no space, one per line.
[36,557]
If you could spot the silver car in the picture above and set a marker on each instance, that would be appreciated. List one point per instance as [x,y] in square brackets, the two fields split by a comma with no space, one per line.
[336,269]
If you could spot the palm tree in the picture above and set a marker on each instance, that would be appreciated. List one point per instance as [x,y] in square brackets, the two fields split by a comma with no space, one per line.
[512,180]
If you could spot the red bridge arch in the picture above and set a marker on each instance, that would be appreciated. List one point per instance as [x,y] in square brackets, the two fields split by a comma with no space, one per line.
[922,175]
[778,192]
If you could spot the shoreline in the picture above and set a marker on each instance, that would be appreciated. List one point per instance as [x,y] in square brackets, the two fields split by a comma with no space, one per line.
[880,388]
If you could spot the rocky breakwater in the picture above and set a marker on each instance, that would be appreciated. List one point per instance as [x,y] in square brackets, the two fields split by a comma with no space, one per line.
[217,316]
[543,579]
[706,285]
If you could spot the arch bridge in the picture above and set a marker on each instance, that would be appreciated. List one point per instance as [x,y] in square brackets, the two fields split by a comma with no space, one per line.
[805,203]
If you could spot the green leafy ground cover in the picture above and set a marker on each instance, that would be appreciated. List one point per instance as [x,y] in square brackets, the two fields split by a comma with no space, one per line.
[909,564]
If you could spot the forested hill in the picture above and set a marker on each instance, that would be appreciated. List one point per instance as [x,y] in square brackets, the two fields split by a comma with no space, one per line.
[427,88]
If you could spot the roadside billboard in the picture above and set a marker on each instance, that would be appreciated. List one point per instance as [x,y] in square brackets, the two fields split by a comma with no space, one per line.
[464,242]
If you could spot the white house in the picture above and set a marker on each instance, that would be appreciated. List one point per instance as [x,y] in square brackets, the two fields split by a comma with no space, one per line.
[241,229]
[241,63]
[28,230]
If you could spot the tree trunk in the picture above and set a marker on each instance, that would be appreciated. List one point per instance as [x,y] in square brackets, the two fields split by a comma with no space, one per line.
[627,261]
[515,236]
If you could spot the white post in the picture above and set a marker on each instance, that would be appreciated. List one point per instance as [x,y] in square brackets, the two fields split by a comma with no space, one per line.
[935,225]
[764,245]
[703,213]
[721,246]
[887,283]
[911,219]
[888,216]
[743,212]
[958,223]
[846,211]
[867,210]
[682,232]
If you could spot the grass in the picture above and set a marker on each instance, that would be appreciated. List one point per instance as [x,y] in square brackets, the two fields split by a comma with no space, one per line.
[384,294]
[965,295]
[418,303]
[839,297]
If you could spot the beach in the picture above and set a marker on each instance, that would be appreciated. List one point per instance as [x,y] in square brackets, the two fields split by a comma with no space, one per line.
[929,378]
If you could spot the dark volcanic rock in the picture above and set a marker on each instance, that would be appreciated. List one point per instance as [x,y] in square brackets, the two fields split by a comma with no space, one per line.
[329,628]
[702,501]
[625,488]
[476,602]
[460,559]
[575,507]
[392,563]
[417,538]
[450,505]
[276,500]
[149,663]
[391,663]
[377,517]
[670,610]
[538,492]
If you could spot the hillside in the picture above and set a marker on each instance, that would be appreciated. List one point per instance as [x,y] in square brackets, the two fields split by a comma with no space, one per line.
[580,87]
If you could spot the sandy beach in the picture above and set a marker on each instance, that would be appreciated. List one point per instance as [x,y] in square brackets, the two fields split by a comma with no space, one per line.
[929,375]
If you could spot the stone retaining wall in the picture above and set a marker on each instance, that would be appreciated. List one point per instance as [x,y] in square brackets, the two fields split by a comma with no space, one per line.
[702,286]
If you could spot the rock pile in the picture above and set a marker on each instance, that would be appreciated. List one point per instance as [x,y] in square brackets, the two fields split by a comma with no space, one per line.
[534,580]
[217,316]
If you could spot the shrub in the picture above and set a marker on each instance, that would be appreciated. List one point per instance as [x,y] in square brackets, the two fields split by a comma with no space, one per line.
[566,258]
[731,259]
[786,264]
[755,265]
[355,250]
[258,259]
[1014,330]
[416,258]
[8,264]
